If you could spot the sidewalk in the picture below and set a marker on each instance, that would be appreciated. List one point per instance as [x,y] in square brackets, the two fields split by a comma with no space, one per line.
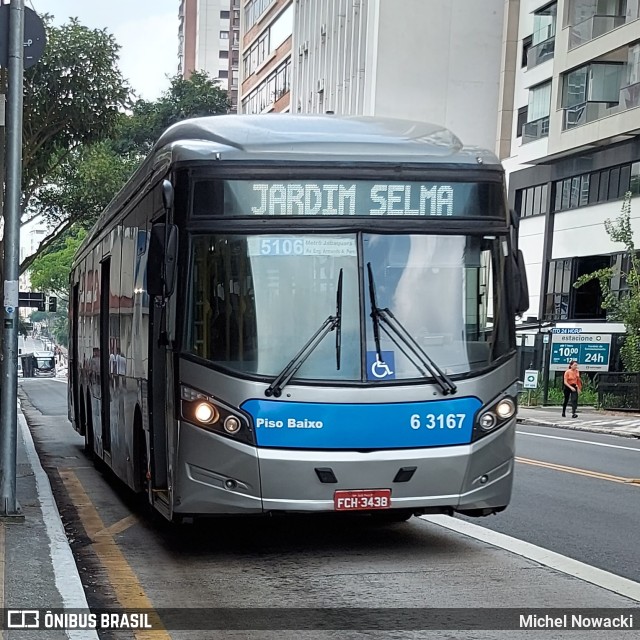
[38,568]
[589,419]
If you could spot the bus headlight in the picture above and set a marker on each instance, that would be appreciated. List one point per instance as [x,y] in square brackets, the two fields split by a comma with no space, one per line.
[211,414]
[232,424]
[495,415]
[505,408]
[487,421]
[206,413]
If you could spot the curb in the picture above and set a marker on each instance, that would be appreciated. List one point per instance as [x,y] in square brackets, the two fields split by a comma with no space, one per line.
[605,430]
[67,577]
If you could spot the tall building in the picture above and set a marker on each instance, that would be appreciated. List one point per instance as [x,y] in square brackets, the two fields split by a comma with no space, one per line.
[436,61]
[209,39]
[575,150]
[265,69]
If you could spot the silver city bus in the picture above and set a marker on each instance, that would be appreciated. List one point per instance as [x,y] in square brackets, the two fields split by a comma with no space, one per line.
[287,313]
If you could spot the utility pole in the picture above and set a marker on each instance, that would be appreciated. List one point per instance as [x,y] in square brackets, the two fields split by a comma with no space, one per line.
[9,506]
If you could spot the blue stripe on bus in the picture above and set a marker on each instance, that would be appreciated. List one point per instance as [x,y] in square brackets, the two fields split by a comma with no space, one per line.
[299,425]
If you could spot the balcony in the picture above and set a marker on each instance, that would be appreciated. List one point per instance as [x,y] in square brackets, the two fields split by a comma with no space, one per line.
[593,27]
[587,112]
[540,52]
[629,96]
[535,130]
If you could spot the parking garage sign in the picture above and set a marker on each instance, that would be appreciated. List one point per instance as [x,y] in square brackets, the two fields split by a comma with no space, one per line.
[590,350]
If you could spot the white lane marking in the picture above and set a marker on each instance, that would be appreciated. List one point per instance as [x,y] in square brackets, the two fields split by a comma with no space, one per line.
[551,559]
[65,570]
[595,444]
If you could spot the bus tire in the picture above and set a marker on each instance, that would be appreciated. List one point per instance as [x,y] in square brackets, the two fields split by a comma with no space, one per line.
[87,421]
[140,454]
[392,516]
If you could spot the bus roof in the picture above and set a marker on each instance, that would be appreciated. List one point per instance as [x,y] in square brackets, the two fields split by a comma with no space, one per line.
[298,137]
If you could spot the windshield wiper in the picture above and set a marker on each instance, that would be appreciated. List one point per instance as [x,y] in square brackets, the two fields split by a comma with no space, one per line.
[330,324]
[385,320]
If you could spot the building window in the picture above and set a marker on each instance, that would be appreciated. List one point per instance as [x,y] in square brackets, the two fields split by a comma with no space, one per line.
[544,34]
[224,35]
[224,54]
[634,185]
[590,93]
[224,15]
[522,119]
[590,19]
[253,10]
[537,125]
[558,294]
[223,73]
[532,201]
[587,300]
[526,45]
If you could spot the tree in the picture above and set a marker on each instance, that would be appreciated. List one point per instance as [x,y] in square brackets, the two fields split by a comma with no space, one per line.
[73,98]
[50,271]
[625,309]
[84,179]
[199,95]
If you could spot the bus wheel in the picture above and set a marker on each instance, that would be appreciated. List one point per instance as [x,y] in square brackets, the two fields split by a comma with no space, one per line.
[142,461]
[389,517]
[86,418]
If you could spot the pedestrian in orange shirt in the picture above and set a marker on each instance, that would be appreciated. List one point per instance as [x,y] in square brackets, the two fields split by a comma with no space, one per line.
[572,386]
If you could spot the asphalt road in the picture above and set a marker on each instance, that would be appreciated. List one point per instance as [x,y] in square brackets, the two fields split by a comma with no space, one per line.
[564,508]
[128,558]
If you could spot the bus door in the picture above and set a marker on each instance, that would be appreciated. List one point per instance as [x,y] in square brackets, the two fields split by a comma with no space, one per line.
[105,386]
[159,387]
[73,357]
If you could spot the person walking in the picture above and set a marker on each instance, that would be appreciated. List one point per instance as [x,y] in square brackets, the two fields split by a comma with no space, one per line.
[572,386]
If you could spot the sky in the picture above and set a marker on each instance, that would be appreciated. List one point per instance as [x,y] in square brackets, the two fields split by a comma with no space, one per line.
[146,30]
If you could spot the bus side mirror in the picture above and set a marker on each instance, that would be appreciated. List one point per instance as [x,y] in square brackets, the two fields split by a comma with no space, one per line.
[162,260]
[167,195]
[521,286]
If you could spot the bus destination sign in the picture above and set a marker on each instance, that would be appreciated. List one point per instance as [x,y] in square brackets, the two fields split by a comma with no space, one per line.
[362,198]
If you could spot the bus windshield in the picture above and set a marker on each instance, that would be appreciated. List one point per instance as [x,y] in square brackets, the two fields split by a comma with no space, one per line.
[256,299]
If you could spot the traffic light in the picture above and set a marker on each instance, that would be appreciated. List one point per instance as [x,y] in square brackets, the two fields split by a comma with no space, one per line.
[53,303]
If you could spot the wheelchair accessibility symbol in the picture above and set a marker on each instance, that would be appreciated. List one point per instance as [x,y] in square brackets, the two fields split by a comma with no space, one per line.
[380,369]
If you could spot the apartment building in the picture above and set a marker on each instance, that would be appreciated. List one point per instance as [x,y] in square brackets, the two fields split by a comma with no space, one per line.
[209,40]
[265,70]
[438,61]
[575,151]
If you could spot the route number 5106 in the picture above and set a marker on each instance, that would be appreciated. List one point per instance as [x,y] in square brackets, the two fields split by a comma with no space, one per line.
[438,421]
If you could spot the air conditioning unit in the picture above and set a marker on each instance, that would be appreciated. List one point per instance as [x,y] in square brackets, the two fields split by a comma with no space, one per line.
[323,30]
[320,85]
[303,48]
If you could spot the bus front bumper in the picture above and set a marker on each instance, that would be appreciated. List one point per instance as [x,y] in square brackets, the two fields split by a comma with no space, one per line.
[217,475]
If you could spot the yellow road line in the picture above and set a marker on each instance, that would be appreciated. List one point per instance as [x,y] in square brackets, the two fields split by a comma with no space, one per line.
[120,526]
[579,472]
[127,587]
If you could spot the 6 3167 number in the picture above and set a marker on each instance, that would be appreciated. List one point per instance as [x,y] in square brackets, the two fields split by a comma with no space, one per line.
[438,421]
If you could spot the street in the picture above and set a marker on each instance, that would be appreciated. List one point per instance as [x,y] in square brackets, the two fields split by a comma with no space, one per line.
[560,503]
[127,556]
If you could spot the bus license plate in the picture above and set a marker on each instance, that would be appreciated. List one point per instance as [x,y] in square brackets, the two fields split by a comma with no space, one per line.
[362,499]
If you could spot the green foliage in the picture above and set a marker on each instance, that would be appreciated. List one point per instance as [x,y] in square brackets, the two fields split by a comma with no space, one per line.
[555,394]
[50,271]
[199,95]
[85,135]
[73,96]
[85,182]
[625,309]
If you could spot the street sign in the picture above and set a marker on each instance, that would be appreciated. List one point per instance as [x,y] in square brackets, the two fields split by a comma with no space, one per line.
[35,37]
[530,379]
[590,350]
[30,299]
